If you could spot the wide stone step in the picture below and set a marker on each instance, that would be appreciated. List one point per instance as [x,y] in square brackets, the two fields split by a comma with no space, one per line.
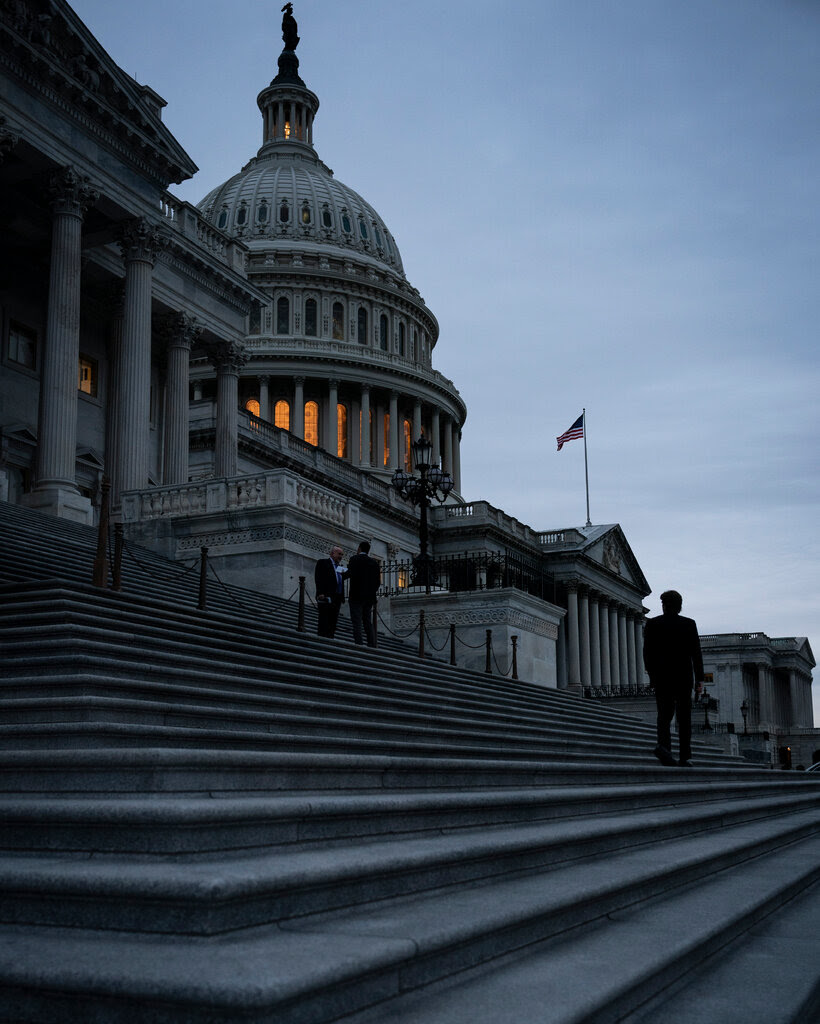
[690,937]
[319,969]
[206,897]
[174,825]
[144,770]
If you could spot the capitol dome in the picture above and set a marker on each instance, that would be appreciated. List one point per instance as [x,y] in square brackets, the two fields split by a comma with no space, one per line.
[340,352]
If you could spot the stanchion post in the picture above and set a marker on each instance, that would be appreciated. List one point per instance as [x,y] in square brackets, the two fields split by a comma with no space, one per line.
[488,668]
[514,657]
[421,633]
[203,579]
[99,576]
[300,622]
[452,643]
[116,582]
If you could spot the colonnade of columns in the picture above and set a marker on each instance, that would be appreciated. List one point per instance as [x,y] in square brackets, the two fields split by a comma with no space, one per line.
[603,641]
[383,446]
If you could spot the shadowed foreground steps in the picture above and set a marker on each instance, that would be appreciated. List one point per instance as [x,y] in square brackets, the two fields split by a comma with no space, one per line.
[208,816]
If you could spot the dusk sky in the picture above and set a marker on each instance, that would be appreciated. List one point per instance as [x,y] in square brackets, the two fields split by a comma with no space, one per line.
[609,205]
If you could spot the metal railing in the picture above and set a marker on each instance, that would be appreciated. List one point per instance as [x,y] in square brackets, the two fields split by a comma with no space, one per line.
[472,571]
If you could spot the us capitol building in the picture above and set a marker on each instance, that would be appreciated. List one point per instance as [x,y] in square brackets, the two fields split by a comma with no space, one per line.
[249,373]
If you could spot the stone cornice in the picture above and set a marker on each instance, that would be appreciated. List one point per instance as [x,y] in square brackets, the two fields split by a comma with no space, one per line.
[47,48]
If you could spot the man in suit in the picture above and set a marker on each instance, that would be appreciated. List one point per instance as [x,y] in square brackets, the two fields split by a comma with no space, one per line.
[673,660]
[365,578]
[329,579]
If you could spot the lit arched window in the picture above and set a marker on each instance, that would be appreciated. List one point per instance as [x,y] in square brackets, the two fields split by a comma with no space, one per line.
[338,321]
[281,414]
[306,215]
[252,405]
[311,318]
[383,331]
[341,439]
[283,316]
[312,423]
[362,326]
[401,339]
[408,451]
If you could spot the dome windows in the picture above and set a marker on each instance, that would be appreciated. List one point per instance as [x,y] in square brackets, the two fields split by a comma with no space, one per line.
[377,233]
[262,212]
[311,318]
[347,227]
[242,214]
[222,220]
[312,423]
[283,315]
[402,342]
[327,217]
[363,230]
[281,414]
[338,321]
[341,431]
[361,325]
[284,211]
[384,329]
[306,215]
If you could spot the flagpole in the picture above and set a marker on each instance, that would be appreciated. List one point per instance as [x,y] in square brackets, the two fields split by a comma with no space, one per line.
[586,465]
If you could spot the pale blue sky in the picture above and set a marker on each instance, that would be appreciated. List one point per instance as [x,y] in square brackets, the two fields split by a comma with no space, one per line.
[610,205]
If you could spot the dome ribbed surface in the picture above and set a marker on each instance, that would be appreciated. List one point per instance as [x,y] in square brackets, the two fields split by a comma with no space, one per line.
[331,208]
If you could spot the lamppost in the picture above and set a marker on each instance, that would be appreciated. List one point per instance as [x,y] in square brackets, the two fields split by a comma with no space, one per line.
[704,699]
[744,710]
[432,482]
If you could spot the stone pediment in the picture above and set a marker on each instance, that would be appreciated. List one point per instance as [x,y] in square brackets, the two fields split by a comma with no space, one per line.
[611,550]
[51,49]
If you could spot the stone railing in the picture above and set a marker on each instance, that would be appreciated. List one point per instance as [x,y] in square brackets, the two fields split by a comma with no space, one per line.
[482,513]
[186,219]
[252,491]
[553,538]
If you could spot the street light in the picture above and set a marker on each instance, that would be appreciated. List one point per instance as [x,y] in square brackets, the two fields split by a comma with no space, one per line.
[704,698]
[432,482]
[744,710]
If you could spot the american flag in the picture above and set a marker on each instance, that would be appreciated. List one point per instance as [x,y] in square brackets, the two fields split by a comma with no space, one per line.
[575,431]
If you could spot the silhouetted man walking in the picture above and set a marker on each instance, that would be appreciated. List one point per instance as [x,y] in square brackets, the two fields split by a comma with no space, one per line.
[672,656]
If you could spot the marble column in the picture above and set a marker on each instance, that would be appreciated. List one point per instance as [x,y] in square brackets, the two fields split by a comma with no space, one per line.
[594,642]
[639,666]
[623,660]
[379,418]
[448,446]
[583,636]
[632,665]
[364,459]
[139,242]
[606,671]
[115,301]
[264,398]
[797,717]
[573,639]
[417,428]
[614,654]
[395,454]
[229,357]
[436,438]
[55,487]
[457,459]
[180,331]
[332,431]
[297,418]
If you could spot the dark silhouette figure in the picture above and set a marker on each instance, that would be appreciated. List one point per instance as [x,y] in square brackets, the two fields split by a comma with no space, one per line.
[330,595]
[290,29]
[672,656]
[365,578]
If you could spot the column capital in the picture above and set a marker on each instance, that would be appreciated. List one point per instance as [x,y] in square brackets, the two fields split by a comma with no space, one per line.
[333,383]
[299,381]
[140,240]
[71,192]
[228,356]
[179,330]
[8,139]
[264,379]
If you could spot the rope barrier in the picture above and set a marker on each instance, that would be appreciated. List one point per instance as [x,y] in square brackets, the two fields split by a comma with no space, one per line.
[430,640]
[399,636]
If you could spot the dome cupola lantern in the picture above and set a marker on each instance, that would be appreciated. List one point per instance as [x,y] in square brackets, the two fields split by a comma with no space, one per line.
[288,106]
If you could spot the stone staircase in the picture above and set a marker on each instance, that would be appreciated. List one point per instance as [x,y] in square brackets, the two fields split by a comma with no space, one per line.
[210,817]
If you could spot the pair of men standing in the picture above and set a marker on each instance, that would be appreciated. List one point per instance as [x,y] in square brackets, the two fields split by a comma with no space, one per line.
[364,576]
